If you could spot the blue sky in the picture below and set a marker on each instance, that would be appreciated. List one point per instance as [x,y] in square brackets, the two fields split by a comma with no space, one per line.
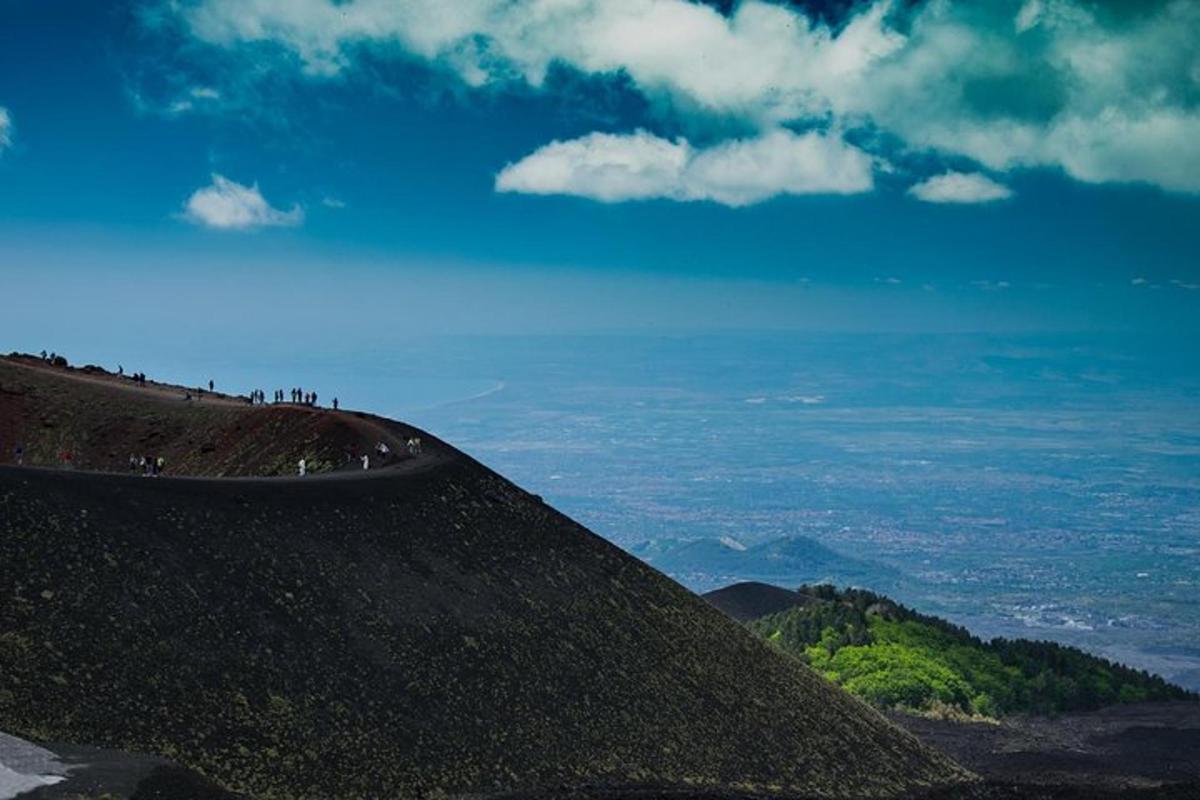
[227,169]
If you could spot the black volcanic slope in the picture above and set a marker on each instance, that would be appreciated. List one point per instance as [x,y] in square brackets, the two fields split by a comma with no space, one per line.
[750,600]
[426,629]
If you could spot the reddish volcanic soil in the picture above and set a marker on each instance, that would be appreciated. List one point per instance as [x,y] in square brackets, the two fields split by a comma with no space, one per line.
[105,419]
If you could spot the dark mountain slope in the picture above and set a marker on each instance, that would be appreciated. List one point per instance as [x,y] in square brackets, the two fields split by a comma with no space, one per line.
[404,633]
[751,600]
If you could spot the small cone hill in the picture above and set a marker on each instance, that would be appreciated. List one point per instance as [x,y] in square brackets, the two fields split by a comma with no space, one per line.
[422,629]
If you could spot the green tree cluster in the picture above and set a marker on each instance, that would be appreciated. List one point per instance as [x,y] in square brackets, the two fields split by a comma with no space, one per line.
[894,657]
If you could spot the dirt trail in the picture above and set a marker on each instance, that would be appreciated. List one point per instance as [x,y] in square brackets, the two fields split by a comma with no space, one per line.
[126,383]
[62,417]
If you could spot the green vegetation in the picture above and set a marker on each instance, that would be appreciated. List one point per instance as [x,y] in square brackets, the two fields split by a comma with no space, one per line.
[893,657]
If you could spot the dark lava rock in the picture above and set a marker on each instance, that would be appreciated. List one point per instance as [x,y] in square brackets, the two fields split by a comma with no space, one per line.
[422,629]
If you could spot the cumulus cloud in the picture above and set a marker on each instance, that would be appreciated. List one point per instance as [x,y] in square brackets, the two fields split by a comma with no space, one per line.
[5,129]
[638,166]
[1065,84]
[960,187]
[228,205]
[602,166]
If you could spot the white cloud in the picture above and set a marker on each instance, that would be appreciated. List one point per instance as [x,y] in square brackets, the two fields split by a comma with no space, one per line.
[1028,16]
[960,187]
[6,127]
[765,61]
[228,205]
[196,98]
[602,166]
[747,171]
[1074,91]
[1009,84]
[637,166]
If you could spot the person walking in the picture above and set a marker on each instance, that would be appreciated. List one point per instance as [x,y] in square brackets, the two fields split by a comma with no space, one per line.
[19,455]
[366,461]
[210,384]
[335,404]
[303,467]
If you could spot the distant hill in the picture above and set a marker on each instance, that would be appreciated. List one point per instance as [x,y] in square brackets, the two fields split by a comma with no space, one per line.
[894,657]
[709,563]
[419,630]
[750,600]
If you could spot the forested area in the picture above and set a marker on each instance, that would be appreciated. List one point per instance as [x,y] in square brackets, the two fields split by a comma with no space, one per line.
[894,657]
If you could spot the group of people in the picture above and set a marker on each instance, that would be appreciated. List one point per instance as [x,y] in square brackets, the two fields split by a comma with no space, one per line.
[137,377]
[255,397]
[298,396]
[382,451]
[150,466]
[301,396]
[54,359]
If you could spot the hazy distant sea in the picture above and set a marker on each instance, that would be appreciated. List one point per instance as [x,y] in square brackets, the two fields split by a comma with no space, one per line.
[1039,487]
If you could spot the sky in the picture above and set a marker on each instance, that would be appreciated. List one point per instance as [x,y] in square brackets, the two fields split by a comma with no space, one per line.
[192,174]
